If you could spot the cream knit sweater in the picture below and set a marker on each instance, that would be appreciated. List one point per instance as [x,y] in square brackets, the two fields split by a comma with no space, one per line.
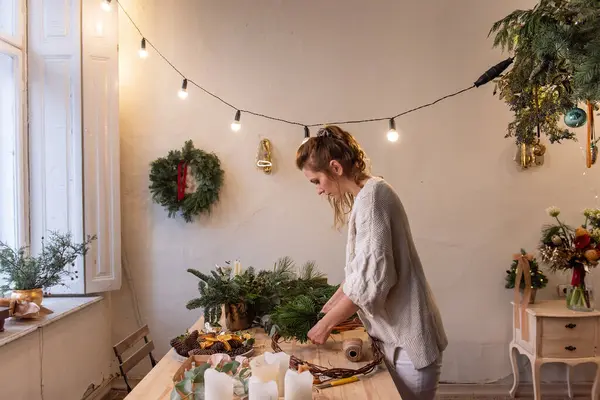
[385,278]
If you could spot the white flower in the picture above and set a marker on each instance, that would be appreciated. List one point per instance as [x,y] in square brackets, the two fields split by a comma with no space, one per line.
[553,211]
[589,212]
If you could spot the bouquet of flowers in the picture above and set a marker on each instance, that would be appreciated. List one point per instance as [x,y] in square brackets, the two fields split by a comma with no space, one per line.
[577,249]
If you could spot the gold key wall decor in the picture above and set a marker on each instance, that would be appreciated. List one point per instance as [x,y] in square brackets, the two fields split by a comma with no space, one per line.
[264,157]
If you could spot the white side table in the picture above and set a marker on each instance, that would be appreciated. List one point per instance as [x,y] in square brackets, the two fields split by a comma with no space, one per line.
[556,335]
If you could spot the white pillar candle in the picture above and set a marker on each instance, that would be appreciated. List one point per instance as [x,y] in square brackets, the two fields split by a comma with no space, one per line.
[282,360]
[217,385]
[259,390]
[263,370]
[298,386]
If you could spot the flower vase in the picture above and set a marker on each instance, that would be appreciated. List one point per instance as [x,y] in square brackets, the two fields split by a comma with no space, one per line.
[579,294]
[34,295]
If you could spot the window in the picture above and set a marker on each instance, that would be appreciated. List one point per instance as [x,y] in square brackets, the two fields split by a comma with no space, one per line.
[13,164]
[59,170]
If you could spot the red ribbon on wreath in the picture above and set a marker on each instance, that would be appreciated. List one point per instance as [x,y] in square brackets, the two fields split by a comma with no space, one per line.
[181,175]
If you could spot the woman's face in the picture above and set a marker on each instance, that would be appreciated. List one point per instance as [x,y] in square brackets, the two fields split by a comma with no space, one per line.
[324,183]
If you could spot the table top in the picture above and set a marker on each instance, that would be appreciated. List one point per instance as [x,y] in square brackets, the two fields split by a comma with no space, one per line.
[557,309]
[158,383]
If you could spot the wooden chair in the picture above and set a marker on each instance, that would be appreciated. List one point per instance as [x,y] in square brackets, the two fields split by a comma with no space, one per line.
[127,343]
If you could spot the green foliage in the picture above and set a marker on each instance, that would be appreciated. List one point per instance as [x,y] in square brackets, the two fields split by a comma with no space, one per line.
[206,169]
[556,47]
[538,279]
[25,272]
[286,297]
[261,291]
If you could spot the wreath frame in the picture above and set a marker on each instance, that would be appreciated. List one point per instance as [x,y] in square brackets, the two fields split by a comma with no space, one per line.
[323,373]
[206,169]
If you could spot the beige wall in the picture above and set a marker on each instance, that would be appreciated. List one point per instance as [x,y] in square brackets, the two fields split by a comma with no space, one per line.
[63,360]
[469,207]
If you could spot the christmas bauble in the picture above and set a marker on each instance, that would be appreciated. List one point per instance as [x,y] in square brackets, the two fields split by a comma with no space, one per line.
[575,117]
[556,240]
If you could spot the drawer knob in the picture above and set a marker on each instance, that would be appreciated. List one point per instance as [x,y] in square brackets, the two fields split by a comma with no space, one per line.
[571,348]
[570,326]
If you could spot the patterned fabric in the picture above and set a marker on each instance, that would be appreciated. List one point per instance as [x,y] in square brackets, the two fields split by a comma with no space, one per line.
[385,278]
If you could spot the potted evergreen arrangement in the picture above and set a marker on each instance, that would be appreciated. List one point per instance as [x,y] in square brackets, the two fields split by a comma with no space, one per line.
[538,279]
[248,295]
[27,276]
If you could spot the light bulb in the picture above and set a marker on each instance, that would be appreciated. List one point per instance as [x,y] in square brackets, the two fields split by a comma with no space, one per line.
[392,134]
[106,6]
[235,125]
[143,51]
[306,135]
[183,94]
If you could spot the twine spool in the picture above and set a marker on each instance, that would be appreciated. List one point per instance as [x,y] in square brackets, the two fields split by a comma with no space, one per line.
[353,349]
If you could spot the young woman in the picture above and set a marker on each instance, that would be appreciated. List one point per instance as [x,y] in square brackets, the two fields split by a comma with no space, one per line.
[384,279]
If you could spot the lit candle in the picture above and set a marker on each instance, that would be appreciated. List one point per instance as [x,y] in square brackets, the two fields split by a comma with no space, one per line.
[282,361]
[259,390]
[298,386]
[264,371]
[217,385]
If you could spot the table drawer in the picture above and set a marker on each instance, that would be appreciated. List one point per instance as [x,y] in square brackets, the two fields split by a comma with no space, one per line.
[569,328]
[562,348]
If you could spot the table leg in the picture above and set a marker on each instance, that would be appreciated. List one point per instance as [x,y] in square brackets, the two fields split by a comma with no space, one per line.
[596,383]
[569,391]
[513,353]
[535,377]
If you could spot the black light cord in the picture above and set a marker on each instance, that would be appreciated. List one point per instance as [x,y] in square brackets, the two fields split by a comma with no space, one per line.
[486,77]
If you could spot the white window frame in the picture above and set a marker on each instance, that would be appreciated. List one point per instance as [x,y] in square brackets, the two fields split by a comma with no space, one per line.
[14,46]
[61,62]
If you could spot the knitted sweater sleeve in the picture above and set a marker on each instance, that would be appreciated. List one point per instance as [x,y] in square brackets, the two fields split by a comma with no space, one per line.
[371,272]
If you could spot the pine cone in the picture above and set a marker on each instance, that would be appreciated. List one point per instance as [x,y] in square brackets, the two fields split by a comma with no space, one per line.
[175,341]
[239,351]
[218,347]
[235,344]
[192,340]
[181,349]
[201,352]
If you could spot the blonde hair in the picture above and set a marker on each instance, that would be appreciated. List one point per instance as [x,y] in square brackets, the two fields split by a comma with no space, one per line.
[334,143]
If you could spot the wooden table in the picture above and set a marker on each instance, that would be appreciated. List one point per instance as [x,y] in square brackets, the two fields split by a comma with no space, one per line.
[556,335]
[158,384]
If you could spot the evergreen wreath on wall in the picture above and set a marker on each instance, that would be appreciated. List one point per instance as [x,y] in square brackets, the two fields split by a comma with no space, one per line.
[187,181]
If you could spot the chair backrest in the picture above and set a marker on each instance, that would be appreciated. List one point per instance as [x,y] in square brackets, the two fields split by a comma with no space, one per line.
[136,357]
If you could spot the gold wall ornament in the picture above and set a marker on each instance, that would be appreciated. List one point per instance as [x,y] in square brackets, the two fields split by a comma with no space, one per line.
[264,157]
[529,155]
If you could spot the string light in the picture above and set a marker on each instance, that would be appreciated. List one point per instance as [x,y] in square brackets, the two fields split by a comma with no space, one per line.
[106,6]
[143,51]
[183,94]
[306,135]
[235,125]
[392,134]
[486,77]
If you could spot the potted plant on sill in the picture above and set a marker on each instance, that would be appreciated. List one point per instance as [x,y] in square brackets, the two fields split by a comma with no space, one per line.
[27,276]
[538,279]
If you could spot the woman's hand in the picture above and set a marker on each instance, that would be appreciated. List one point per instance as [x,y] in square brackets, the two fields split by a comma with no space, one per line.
[343,309]
[320,332]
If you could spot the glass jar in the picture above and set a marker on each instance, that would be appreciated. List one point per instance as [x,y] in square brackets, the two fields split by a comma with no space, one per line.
[580,298]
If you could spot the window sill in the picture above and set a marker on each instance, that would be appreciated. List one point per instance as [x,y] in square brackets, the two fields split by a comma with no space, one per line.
[62,306]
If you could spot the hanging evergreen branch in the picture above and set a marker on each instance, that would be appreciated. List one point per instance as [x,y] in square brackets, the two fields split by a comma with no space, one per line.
[556,48]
